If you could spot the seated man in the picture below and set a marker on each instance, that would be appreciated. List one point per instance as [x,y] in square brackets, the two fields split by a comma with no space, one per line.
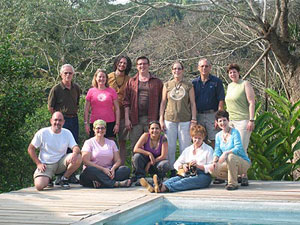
[53,143]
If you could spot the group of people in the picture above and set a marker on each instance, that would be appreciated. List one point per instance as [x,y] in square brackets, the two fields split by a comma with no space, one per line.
[145,108]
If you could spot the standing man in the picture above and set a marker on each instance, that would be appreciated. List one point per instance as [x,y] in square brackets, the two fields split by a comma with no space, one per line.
[209,96]
[64,97]
[142,100]
[118,80]
[53,143]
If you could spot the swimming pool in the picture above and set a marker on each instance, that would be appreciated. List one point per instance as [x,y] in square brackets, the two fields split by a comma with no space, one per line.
[191,211]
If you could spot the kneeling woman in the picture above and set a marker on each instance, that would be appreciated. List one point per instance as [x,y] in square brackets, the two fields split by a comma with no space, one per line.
[230,159]
[150,153]
[102,161]
[199,155]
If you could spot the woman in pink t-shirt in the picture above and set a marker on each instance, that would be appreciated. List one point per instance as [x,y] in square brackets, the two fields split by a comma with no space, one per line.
[102,161]
[103,103]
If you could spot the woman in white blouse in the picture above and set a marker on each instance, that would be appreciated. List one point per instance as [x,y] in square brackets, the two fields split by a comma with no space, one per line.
[199,155]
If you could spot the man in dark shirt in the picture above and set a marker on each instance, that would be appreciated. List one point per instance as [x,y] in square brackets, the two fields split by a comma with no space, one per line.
[209,96]
[64,97]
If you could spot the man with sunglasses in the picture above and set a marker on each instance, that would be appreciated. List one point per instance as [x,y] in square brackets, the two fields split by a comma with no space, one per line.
[64,97]
[209,96]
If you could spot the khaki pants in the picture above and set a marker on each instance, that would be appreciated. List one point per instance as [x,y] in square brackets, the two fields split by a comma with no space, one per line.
[231,168]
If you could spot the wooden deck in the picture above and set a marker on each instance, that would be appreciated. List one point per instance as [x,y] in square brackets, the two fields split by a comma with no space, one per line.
[56,206]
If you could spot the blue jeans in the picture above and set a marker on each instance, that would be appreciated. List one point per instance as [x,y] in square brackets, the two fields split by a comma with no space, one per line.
[202,180]
[72,125]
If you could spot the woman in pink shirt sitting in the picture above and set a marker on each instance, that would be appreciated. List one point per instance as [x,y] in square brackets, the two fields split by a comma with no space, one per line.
[103,103]
[102,161]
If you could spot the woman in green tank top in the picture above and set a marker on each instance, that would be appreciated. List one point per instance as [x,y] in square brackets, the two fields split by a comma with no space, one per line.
[240,103]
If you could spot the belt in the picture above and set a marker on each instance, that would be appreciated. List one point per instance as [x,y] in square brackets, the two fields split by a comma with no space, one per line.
[207,111]
[70,116]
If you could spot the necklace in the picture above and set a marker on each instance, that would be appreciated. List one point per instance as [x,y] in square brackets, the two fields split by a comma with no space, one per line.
[225,135]
[177,87]
[119,85]
[153,143]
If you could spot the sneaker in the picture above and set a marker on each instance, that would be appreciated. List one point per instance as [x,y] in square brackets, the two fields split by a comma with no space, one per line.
[64,183]
[244,181]
[231,187]
[73,179]
[57,180]
[218,181]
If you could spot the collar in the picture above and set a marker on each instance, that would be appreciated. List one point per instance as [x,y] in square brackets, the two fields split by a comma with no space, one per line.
[64,87]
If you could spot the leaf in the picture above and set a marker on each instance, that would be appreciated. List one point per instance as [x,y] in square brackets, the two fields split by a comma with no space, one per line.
[281,171]
[296,147]
[264,161]
[274,144]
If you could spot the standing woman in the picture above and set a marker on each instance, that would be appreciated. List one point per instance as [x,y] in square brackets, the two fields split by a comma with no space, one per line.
[102,161]
[240,102]
[103,102]
[177,112]
[150,153]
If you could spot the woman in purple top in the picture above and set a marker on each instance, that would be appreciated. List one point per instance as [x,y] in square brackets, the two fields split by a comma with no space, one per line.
[150,153]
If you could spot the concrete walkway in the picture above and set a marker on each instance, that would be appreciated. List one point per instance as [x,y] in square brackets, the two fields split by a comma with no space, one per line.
[56,206]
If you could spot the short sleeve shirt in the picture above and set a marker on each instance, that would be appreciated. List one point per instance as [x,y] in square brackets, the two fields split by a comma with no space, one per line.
[208,94]
[178,108]
[101,155]
[52,146]
[102,104]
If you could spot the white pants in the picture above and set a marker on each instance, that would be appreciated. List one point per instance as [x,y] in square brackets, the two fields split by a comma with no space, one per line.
[241,126]
[180,130]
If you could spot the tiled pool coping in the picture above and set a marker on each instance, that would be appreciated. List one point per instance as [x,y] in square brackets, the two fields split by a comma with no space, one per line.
[126,213]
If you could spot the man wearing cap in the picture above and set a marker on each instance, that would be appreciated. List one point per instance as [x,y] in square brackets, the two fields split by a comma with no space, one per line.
[64,97]
[209,96]
[53,143]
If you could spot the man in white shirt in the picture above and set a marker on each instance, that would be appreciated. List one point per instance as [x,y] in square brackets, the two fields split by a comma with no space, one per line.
[53,143]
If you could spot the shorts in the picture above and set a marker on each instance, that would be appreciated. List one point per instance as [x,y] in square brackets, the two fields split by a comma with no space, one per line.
[208,121]
[53,169]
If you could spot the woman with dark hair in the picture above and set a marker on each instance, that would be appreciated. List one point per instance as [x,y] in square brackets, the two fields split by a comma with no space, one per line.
[230,159]
[177,112]
[102,161]
[150,153]
[199,155]
[240,104]
[103,102]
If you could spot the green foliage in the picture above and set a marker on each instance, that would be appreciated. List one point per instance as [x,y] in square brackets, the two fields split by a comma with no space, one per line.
[18,99]
[274,141]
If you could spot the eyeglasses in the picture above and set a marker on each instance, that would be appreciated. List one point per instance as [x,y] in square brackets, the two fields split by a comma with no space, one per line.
[176,68]
[68,73]
[100,128]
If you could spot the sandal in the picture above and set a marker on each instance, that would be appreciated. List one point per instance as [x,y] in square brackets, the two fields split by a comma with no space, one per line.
[96,184]
[124,183]
[145,184]
[156,185]
[231,187]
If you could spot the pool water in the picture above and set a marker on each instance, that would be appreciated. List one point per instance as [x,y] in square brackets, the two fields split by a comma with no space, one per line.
[183,211]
